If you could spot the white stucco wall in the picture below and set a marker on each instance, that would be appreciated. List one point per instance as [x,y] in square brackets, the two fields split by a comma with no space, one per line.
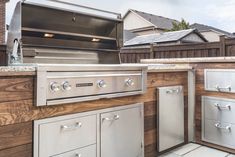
[133,21]
[211,36]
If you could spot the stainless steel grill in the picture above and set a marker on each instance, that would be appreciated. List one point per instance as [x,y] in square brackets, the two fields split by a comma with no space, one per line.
[43,34]
[76,54]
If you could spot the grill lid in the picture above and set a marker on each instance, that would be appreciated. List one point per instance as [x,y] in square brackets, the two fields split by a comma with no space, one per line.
[46,34]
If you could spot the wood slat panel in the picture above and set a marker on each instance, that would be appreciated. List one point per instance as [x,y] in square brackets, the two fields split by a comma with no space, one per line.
[16,88]
[20,151]
[23,110]
[15,135]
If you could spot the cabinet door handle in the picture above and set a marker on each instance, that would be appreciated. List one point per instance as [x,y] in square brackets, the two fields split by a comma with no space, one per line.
[71,127]
[78,155]
[115,117]
[221,89]
[220,107]
[219,126]
[171,91]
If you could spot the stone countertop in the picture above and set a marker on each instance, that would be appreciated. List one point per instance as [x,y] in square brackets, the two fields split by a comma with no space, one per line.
[190,60]
[31,69]
[17,68]
[168,67]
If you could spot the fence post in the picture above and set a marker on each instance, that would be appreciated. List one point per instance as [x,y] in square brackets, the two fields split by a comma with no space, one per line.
[151,51]
[222,46]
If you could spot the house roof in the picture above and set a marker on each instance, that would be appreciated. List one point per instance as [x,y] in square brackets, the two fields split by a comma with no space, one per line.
[205,28]
[162,38]
[157,21]
[127,35]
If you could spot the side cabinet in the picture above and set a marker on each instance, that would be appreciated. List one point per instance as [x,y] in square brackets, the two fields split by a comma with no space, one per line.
[122,133]
[112,132]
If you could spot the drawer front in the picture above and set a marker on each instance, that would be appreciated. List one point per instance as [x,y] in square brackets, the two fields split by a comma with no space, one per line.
[65,135]
[219,109]
[89,151]
[220,80]
[219,133]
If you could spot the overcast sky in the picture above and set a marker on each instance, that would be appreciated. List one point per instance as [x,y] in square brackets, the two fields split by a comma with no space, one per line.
[217,13]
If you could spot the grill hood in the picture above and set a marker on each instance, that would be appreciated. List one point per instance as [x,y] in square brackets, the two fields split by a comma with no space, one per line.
[49,35]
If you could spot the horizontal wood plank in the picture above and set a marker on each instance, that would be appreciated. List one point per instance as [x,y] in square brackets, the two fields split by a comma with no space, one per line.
[20,151]
[15,135]
[16,88]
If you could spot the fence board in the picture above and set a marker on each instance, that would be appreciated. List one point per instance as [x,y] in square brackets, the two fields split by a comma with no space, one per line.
[226,47]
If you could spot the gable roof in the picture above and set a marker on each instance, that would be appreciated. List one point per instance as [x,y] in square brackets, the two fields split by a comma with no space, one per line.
[128,35]
[205,28]
[157,21]
[162,38]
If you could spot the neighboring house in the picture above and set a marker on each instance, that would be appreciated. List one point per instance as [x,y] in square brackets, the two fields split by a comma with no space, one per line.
[142,23]
[212,34]
[128,35]
[167,38]
[2,20]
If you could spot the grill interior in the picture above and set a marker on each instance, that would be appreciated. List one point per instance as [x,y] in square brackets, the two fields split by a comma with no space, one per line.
[49,34]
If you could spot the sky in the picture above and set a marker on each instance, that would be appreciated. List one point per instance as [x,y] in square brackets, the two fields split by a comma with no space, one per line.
[216,13]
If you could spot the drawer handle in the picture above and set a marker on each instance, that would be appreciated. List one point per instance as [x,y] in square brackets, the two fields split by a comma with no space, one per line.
[72,127]
[219,126]
[220,107]
[78,155]
[221,89]
[115,117]
[171,91]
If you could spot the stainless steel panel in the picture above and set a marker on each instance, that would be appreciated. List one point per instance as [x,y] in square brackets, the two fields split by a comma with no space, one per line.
[171,117]
[86,84]
[222,134]
[122,133]
[67,29]
[124,129]
[83,82]
[89,151]
[219,109]
[220,80]
[59,136]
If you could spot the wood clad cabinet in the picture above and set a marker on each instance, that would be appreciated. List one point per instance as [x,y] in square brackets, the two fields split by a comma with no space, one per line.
[110,132]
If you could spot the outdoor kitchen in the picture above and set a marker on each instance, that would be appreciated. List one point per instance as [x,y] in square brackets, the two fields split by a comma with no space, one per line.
[69,87]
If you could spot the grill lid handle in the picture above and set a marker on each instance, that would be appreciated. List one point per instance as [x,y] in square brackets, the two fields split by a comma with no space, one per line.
[89,8]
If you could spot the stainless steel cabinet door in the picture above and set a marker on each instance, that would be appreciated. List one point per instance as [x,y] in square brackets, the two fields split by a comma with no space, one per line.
[171,117]
[122,133]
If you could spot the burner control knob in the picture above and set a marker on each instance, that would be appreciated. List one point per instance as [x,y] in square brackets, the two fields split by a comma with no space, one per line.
[130,82]
[55,86]
[66,86]
[102,84]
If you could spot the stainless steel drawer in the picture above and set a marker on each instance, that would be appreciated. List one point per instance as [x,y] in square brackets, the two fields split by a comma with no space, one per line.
[219,133]
[89,151]
[219,109]
[221,80]
[57,136]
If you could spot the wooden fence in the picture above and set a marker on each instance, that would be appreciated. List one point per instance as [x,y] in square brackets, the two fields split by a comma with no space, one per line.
[225,47]
[3,60]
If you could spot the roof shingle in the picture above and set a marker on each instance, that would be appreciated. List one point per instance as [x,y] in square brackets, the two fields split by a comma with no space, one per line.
[160,38]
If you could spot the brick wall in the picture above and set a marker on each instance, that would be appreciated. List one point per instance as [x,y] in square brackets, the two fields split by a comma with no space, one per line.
[2,20]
